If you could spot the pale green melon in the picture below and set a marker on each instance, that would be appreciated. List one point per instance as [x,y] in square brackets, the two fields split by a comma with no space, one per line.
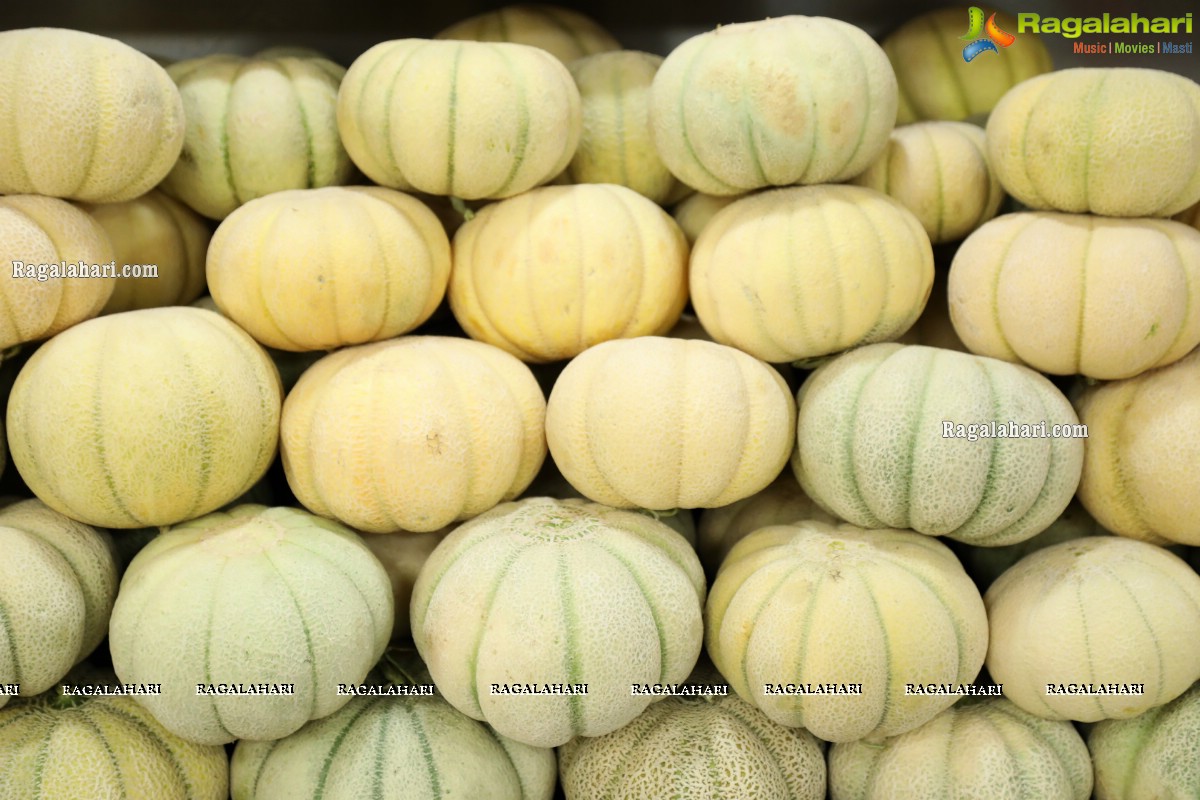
[558,592]
[983,747]
[251,596]
[1150,755]
[711,746]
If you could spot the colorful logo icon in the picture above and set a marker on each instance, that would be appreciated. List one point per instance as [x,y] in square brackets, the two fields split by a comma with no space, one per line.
[979,42]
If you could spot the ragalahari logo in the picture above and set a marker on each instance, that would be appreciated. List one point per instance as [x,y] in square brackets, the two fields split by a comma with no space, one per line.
[983,37]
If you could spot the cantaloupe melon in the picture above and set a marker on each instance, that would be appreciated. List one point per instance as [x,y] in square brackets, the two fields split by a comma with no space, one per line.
[1116,141]
[565,33]
[555,270]
[84,117]
[251,598]
[775,102]
[1150,755]
[402,554]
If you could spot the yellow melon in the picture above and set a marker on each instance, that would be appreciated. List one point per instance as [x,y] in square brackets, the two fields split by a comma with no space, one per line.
[256,126]
[939,171]
[937,82]
[824,626]
[664,423]
[161,415]
[695,211]
[1053,291]
[617,145]
[1101,627]
[156,230]
[549,273]
[316,269]
[1117,141]
[412,433]
[565,33]
[800,273]
[43,243]
[84,117]
[472,120]
[1141,433]
[773,103]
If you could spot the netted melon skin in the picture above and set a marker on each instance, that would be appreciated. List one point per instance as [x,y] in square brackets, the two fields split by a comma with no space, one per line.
[1150,755]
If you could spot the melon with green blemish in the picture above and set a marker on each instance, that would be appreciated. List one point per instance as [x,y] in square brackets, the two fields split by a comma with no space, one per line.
[56,746]
[780,503]
[255,595]
[712,746]
[1150,755]
[192,422]
[472,120]
[545,591]
[393,745]
[801,273]
[873,610]
[154,230]
[980,747]
[256,126]
[412,433]
[565,33]
[47,231]
[937,83]
[558,269]
[1097,610]
[1142,432]
[1117,141]
[58,580]
[775,102]
[661,423]
[617,145]
[84,117]
[317,269]
[1053,291]
[873,446]
[939,171]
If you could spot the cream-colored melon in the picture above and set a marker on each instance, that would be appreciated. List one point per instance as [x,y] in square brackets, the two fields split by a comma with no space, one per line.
[1143,435]
[664,423]
[251,596]
[84,117]
[939,171]
[1073,293]
[781,503]
[800,273]
[823,626]
[710,746]
[1101,627]
[402,554]
[160,415]
[1116,141]
[256,126]
[551,272]
[58,580]
[565,33]
[773,103]
[936,81]
[473,120]
[317,269]
[156,230]
[695,211]
[980,747]
[889,435]
[1150,755]
[412,433]
[558,592]
[934,327]
[617,145]
[43,235]
[58,746]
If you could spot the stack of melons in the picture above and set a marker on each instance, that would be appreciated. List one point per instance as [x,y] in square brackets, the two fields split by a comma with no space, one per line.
[693,297]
